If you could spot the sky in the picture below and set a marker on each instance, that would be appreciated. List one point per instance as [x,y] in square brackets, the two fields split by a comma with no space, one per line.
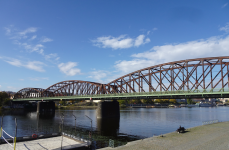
[46,42]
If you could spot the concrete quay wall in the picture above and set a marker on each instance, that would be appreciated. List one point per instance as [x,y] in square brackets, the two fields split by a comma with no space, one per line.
[205,137]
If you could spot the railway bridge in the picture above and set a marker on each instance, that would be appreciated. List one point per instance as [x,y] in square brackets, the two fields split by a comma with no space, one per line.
[191,78]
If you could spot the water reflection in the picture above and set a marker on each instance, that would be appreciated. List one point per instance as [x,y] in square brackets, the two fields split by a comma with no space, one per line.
[108,127]
[16,112]
[46,115]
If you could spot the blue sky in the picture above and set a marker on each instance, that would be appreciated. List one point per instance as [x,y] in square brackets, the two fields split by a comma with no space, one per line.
[45,42]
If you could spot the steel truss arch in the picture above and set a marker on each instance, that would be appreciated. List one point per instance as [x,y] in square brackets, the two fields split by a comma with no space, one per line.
[190,74]
[29,93]
[74,87]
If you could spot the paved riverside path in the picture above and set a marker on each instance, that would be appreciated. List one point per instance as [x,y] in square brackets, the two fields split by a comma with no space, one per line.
[206,137]
[53,143]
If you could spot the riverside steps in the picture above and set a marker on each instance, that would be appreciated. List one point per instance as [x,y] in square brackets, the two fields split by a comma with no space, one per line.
[53,143]
[205,137]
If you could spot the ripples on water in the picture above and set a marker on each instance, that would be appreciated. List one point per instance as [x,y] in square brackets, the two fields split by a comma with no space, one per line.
[134,123]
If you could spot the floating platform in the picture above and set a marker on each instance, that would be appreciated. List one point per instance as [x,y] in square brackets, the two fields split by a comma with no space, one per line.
[53,143]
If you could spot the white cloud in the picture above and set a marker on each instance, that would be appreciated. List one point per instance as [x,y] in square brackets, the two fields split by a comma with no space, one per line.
[99,76]
[14,62]
[8,31]
[31,48]
[147,40]
[29,30]
[0,86]
[68,68]
[120,42]
[30,45]
[154,29]
[226,28]
[139,40]
[148,32]
[224,5]
[39,78]
[52,55]
[21,79]
[212,47]
[45,39]
[33,65]
[33,37]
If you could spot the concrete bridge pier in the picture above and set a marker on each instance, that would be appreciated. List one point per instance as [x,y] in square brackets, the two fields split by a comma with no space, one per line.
[43,107]
[108,109]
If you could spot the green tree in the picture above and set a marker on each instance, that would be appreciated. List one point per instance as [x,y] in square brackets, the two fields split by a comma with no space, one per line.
[63,102]
[189,101]
[173,101]
[6,102]
[158,101]
[3,97]
[136,101]
[122,102]
[165,100]
[147,101]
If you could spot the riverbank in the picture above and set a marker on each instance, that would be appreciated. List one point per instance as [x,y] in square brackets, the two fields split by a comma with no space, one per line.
[205,137]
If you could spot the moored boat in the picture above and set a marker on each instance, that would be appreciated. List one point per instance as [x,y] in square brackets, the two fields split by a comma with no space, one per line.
[220,105]
[204,104]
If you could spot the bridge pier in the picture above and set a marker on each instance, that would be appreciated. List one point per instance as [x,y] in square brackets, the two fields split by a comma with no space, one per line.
[108,109]
[45,107]
[108,127]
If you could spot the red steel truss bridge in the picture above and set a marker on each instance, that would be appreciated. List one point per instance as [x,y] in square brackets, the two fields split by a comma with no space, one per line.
[191,78]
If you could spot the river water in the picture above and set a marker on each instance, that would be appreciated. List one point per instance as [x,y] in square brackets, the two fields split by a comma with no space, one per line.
[134,123]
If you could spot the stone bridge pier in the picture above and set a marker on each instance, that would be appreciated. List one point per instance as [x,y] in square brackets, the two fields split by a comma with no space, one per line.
[108,109]
[43,107]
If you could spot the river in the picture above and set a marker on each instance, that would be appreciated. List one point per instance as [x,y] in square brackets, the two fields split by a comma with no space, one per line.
[134,123]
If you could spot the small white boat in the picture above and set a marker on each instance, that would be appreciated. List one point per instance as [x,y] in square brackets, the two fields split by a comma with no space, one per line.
[205,105]
[219,105]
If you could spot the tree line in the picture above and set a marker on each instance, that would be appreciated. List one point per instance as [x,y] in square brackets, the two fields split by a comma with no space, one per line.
[4,99]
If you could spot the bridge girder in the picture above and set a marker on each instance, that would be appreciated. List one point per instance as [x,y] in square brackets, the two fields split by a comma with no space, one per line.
[190,74]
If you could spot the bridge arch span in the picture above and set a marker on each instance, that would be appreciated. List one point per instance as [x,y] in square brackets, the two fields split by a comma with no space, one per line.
[29,93]
[190,74]
[74,87]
